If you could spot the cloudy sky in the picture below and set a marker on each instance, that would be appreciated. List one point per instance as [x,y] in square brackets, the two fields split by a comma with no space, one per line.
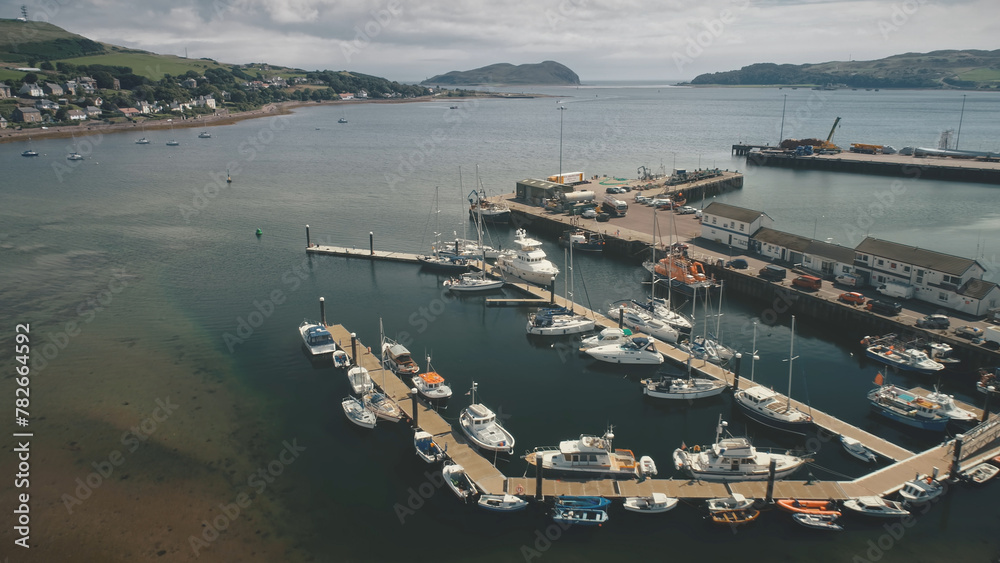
[410,40]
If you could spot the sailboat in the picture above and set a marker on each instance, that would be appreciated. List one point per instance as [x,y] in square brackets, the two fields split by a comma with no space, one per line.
[143,140]
[769,407]
[706,346]
[660,308]
[683,388]
[29,151]
[380,403]
[172,142]
[437,260]
[475,281]
[560,320]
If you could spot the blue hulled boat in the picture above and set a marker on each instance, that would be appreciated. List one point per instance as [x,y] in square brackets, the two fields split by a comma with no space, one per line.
[905,408]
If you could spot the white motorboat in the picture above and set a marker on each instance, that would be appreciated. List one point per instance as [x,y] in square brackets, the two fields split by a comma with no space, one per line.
[580,516]
[680,388]
[590,455]
[876,506]
[502,503]
[640,320]
[647,467]
[528,263]
[427,448]
[818,521]
[733,459]
[735,501]
[172,143]
[383,407]
[142,141]
[981,473]
[361,382]
[655,503]
[919,491]
[633,350]
[660,309]
[458,481]
[857,449]
[398,359]
[941,353]
[341,359]
[357,413]
[558,321]
[890,351]
[317,338]
[607,336]
[74,156]
[480,425]
[949,408]
[472,282]
[204,135]
[430,384]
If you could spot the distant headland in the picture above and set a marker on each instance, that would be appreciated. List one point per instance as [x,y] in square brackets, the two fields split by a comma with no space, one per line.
[546,72]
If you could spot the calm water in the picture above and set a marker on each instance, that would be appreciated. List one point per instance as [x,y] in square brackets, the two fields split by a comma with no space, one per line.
[195,272]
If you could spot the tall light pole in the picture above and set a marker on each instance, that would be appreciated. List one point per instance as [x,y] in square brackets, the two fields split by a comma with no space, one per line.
[561,109]
[962,115]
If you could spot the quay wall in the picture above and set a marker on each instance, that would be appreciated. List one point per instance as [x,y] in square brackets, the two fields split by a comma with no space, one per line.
[914,169]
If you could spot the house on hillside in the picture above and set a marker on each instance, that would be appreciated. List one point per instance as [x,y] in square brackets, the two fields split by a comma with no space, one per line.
[144,107]
[128,112]
[731,225]
[76,115]
[46,105]
[190,83]
[3,122]
[51,89]
[92,111]
[4,91]
[31,90]
[205,101]
[26,114]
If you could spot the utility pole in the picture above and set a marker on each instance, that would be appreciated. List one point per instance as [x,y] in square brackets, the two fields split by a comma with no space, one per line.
[561,110]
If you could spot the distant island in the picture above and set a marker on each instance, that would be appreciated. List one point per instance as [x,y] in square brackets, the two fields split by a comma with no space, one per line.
[951,69]
[546,72]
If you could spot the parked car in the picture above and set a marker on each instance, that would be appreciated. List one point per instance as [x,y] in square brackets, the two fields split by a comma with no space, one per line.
[589,213]
[659,201]
[970,332]
[642,199]
[887,308]
[686,210]
[773,273]
[737,264]
[852,297]
[808,282]
[934,321]
[614,190]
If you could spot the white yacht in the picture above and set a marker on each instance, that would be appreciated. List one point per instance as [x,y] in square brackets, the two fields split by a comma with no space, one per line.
[640,320]
[632,350]
[480,425]
[317,338]
[590,455]
[657,502]
[558,321]
[949,408]
[919,491]
[361,382]
[733,459]
[357,413]
[876,506]
[680,388]
[660,309]
[529,263]
[609,335]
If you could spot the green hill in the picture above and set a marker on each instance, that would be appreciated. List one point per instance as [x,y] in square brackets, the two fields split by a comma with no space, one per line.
[547,72]
[938,69]
[34,40]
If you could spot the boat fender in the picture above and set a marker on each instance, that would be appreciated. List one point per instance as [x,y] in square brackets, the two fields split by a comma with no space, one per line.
[520,489]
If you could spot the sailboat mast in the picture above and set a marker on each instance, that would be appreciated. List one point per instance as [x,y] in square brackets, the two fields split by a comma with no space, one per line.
[753,355]
[791,358]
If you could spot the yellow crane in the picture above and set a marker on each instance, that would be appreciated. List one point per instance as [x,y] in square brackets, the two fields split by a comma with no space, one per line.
[828,144]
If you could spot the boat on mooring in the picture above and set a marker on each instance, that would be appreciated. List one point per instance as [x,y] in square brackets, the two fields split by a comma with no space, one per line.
[921,490]
[826,522]
[430,384]
[317,338]
[640,320]
[814,507]
[892,352]
[877,507]
[480,426]
[581,239]
[609,335]
[360,381]
[735,501]
[733,459]
[949,408]
[634,350]
[652,504]
[587,456]
[905,408]
[398,359]
[502,503]
[357,413]
[383,407]
[458,481]
[980,474]
[857,449]
[528,263]
[487,210]
[580,516]
[427,449]
[558,321]
[682,388]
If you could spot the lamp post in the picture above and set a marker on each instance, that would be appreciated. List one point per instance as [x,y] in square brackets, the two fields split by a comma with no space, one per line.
[561,109]
[958,136]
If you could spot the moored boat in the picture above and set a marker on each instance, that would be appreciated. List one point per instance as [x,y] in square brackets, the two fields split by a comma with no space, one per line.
[317,338]
[818,521]
[652,504]
[427,449]
[589,456]
[458,481]
[890,351]
[733,459]
[580,516]
[502,503]
[639,320]
[981,473]
[857,449]
[430,384]
[734,517]
[876,506]
[558,321]
[949,408]
[565,501]
[480,426]
[609,335]
[528,263]
[357,413]
[921,490]
[383,407]
[635,350]
[398,359]
[361,382]
[814,507]
[988,378]
[900,406]
[580,239]
[734,501]
[680,388]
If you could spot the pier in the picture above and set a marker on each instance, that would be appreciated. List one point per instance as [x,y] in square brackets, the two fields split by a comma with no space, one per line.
[927,167]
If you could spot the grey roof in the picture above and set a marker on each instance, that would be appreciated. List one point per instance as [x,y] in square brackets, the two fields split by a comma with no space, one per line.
[977,288]
[740,214]
[25,109]
[779,238]
[954,265]
[842,254]
[544,184]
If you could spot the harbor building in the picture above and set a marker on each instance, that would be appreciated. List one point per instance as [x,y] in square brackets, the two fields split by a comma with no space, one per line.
[828,259]
[537,192]
[731,225]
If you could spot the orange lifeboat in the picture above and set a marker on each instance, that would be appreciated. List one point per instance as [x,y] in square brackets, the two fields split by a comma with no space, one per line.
[818,507]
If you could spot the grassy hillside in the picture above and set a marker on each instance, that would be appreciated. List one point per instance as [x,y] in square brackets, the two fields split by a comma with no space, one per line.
[146,64]
[40,41]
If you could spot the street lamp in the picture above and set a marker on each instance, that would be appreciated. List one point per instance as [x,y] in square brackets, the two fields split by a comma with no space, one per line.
[561,109]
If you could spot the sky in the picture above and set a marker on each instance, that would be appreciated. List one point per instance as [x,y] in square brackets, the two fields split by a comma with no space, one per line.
[601,40]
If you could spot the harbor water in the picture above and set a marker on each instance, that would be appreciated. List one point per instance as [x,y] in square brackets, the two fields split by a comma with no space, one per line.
[141,277]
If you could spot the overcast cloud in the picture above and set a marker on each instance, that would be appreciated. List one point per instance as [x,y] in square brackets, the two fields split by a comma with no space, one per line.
[410,40]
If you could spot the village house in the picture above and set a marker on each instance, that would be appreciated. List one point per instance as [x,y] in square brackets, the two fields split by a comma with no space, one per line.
[730,225]
[92,111]
[76,115]
[145,108]
[3,122]
[128,112]
[31,90]
[4,91]
[779,245]
[51,89]
[205,101]
[25,114]
[190,83]
[46,105]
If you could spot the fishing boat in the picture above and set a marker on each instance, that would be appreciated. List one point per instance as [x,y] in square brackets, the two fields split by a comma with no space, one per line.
[357,413]
[769,407]
[528,263]
[571,502]
[653,504]
[876,506]
[383,407]
[458,481]
[427,449]
[921,490]
[733,459]
[683,274]
[430,384]
[814,507]
[639,320]
[142,141]
[204,135]
[980,474]
[360,381]
[735,501]
[398,359]
[580,516]
[682,388]
[905,408]
[587,456]
[949,408]
[580,239]
[317,338]
[502,503]
[734,517]
[29,152]
[857,449]
[558,321]
[818,521]
[987,379]
[480,425]
[941,353]
[342,120]
[892,352]
[634,350]
[481,208]
[609,335]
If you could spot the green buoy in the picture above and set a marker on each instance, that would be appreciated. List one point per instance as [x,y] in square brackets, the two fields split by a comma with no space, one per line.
[259,232]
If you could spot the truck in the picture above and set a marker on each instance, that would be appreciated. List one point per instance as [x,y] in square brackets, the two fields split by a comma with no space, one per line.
[614,207]
[848,280]
[898,290]
[567,178]
[576,197]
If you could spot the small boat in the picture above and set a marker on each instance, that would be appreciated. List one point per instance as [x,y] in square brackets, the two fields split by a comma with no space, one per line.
[472,282]
[735,501]
[569,502]
[890,351]
[452,107]
[502,503]
[679,388]
[981,473]
[458,481]
[204,135]
[589,456]
[734,517]
[941,353]
[558,321]
[636,350]
[905,408]
[74,156]
[486,210]
[383,407]
[172,143]
[647,467]
[660,309]
[988,379]
[480,425]
[818,521]
[581,239]
[317,338]
[341,359]
[142,141]
[342,120]
[361,382]
[430,384]
[606,336]
[876,506]
[655,503]
[639,320]
[733,459]
[919,491]
[29,152]
[443,262]
[857,449]
[357,413]
[259,232]
[427,448]
[814,507]
[580,516]
[397,358]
